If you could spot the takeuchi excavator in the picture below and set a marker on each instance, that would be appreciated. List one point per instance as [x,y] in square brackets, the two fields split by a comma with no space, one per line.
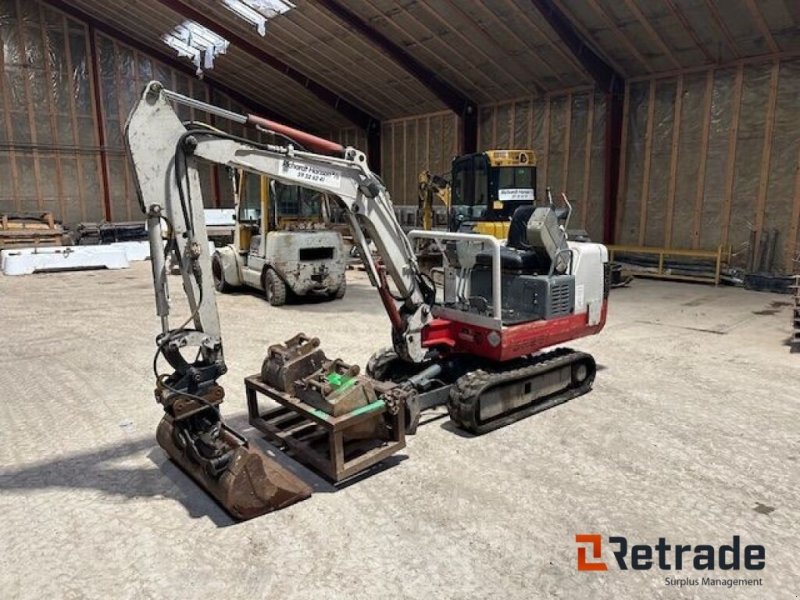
[474,343]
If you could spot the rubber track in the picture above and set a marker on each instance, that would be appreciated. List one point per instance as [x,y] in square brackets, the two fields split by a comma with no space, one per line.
[466,392]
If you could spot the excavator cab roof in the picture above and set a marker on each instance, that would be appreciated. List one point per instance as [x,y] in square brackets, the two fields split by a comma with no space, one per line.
[504,158]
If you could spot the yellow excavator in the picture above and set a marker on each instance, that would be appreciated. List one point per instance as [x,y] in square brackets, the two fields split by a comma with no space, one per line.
[484,190]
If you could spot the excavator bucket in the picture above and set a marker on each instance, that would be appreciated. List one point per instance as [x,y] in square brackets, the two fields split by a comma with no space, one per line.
[252,484]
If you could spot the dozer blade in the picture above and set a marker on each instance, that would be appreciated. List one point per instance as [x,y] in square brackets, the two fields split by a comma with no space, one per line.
[252,484]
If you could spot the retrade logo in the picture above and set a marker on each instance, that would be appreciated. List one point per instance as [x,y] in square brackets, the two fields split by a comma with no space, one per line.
[595,544]
[665,556]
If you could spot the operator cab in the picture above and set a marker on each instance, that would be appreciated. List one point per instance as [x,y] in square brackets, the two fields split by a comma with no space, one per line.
[293,206]
[536,279]
[487,187]
[266,205]
[249,205]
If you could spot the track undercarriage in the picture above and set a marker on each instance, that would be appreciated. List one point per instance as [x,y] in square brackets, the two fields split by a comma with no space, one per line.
[486,396]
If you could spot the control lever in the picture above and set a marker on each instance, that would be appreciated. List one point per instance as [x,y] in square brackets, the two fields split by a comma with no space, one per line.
[562,214]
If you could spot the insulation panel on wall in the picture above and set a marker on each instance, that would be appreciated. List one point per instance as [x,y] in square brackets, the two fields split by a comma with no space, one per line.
[567,132]
[52,118]
[413,144]
[49,150]
[711,159]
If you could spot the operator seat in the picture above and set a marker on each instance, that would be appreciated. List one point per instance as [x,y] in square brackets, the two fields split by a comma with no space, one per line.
[534,283]
[518,229]
[517,254]
[255,245]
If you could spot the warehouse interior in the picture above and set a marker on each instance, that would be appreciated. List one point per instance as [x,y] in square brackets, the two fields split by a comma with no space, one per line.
[728,78]
[672,126]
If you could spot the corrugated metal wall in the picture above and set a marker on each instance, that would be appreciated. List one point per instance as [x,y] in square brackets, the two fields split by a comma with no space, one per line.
[710,156]
[51,158]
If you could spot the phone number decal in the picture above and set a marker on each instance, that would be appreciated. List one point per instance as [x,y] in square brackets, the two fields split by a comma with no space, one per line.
[313,174]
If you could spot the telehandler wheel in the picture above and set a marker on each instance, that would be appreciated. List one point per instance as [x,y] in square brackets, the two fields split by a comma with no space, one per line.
[218,273]
[340,291]
[274,289]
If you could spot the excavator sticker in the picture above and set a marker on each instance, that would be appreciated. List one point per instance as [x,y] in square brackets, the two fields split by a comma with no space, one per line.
[518,194]
[312,173]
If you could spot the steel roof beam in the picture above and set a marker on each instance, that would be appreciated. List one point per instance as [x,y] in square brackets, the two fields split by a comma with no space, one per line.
[612,84]
[172,62]
[604,75]
[454,99]
[343,106]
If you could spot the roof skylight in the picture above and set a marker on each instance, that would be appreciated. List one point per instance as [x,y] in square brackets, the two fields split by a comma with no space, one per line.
[258,12]
[197,43]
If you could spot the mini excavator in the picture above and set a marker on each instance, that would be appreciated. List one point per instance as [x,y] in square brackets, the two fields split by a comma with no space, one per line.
[475,345]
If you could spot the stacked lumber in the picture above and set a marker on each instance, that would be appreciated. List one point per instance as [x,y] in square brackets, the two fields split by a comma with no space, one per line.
[29,229]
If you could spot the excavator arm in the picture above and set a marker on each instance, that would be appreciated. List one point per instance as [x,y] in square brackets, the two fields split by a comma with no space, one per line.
[165,154]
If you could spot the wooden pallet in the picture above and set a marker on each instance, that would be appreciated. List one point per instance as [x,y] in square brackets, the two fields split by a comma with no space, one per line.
[317,439]
[18,230]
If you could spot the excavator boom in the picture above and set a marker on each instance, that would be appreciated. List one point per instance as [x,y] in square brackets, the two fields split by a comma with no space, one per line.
[165,154]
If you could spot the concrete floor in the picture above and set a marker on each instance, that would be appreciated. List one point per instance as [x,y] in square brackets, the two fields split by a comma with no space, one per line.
[692,428]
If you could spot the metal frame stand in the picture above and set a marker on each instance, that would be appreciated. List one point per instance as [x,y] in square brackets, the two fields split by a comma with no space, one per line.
[316,438]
